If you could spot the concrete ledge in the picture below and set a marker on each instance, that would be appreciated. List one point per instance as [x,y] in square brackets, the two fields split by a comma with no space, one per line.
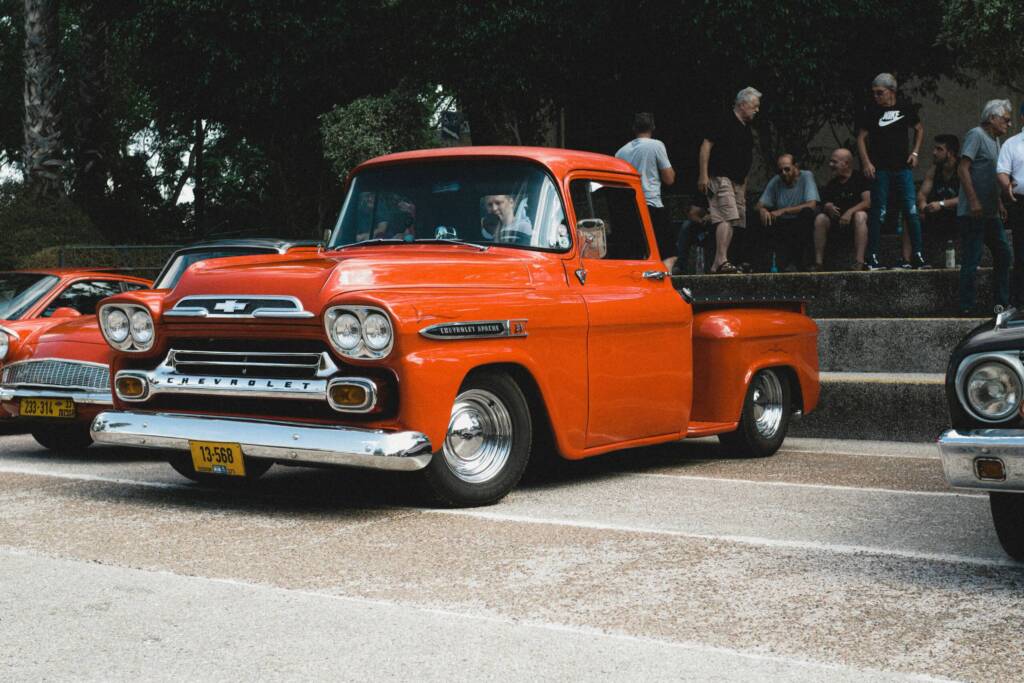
[889,345]
[881,294]
[878,406]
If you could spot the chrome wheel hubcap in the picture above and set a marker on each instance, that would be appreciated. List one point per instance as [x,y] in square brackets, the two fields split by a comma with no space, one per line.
[767,398]
[479,438]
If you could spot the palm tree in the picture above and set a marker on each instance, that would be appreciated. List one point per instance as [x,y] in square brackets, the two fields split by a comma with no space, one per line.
[44,151]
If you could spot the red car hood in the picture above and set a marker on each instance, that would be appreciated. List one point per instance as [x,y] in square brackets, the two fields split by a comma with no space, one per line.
[76,339]
[317,280]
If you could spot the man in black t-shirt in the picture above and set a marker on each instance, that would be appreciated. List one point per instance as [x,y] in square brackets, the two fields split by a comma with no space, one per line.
[940,192]
[882,142]
[725,158]
[845,200]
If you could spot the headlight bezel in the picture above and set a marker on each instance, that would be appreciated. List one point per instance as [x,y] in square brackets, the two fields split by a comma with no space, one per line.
[1010,360]
[6,336]
[131,343]
[362,350]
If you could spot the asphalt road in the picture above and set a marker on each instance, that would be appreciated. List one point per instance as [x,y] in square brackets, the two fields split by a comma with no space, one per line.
[830,561]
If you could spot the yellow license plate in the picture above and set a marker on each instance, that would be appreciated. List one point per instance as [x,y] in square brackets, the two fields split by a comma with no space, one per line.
[47,407]
[213,457]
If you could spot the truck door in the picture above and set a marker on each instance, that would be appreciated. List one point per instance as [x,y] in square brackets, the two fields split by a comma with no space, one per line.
[639,351]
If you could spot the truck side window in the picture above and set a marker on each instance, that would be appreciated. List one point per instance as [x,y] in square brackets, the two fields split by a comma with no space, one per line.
[617,223]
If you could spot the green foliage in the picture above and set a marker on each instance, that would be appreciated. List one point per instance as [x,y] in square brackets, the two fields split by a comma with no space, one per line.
[372,126]
[987,35]
[29,226]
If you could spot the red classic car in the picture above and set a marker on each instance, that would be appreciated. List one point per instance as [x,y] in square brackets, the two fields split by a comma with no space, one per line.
[471,304]
[57,371]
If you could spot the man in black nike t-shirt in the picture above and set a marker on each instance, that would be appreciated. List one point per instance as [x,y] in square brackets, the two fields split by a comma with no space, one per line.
[882,142]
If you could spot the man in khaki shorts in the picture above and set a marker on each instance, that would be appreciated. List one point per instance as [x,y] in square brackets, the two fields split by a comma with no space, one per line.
[725,158]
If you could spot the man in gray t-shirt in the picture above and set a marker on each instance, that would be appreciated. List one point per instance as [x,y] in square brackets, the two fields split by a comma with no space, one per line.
[787,208]
[649,157]
[980,209]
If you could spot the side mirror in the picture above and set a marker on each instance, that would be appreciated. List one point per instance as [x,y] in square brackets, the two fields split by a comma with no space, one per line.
[327,235]
[65,312]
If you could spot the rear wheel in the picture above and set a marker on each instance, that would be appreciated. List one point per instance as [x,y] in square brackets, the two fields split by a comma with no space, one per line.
[765,417]
[72,437]
[487,445]
[254,469]
[1008,516]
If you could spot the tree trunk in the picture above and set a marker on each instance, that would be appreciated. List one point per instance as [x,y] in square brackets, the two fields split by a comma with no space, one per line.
[93,135]
[44,153]
[199,191]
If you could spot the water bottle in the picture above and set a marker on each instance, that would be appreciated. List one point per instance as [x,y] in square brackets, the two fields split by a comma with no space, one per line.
[775,266]
[698,261]
[950,255]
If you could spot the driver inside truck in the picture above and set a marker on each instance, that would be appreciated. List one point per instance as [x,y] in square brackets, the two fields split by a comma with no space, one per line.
[510,228]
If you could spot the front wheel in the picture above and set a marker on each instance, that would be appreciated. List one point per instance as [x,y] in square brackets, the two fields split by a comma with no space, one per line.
[72,437]
[254,469]
[487,445]
[1008,517]
[765,417]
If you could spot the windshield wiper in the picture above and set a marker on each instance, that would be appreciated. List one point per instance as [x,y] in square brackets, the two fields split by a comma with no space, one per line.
[443,240]
[375,240]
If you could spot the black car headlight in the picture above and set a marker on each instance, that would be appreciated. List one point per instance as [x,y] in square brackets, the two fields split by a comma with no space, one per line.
[990,388]
[127,327]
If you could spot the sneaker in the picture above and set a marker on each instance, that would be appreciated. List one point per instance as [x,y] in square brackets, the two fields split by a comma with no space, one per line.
[871,263]
[902,265]
[917,262]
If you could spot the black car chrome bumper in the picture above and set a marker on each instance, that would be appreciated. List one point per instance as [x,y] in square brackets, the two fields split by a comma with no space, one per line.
[964,455]
[269,440]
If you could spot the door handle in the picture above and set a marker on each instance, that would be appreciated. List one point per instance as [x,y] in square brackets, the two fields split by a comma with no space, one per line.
[654,274]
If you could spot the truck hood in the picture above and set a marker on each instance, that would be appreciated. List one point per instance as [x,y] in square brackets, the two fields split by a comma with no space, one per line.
[314,281]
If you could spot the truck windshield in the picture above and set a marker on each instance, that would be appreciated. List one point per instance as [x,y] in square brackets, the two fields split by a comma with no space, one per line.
[507,203]
[19,291]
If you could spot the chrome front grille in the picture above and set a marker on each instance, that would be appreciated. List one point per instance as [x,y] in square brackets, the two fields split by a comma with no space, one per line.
[52,372]
[268,364]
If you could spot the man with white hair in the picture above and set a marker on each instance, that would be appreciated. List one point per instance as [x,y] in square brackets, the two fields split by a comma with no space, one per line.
[725,158]
[882,143]
[980,208]
[1010,173]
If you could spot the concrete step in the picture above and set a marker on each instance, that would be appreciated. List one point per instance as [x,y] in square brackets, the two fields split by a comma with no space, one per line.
[880,294]
[889,344]
[880,406]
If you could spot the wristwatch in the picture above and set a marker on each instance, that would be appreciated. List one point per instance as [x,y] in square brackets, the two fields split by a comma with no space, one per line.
[942,203]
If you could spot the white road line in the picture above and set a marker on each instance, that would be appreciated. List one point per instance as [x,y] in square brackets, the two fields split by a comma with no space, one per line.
[503,517]
[689,645]
[839,549]
[808,485]
[858,454]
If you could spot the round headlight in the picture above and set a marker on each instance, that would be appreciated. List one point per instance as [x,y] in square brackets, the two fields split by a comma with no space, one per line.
[346,331]
[116,324]
[993,391]
[141,327]
[377,331]
[5,344]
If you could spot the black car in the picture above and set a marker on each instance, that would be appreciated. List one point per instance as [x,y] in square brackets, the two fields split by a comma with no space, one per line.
[985,447]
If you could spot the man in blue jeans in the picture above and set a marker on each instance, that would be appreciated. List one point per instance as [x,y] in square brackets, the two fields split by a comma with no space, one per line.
[882,144]
[980,210]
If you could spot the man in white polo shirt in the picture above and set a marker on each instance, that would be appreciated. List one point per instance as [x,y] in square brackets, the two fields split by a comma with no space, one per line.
[1010,173]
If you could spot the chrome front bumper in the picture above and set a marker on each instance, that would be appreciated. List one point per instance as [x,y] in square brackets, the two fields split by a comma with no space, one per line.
[960,451]
[282,441]
[101,398]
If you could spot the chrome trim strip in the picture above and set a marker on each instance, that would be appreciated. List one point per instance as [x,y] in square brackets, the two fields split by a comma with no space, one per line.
[959,450]
[85,397]
[8,331]
[1011,358]
[164,380]
[58,360]
[285,441]
[182,310]
[476,329]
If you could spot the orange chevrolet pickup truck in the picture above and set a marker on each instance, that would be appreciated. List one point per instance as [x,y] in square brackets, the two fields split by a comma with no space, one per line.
[470,304]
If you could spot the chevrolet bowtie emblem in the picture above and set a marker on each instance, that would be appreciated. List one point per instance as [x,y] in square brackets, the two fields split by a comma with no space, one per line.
[230,306]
